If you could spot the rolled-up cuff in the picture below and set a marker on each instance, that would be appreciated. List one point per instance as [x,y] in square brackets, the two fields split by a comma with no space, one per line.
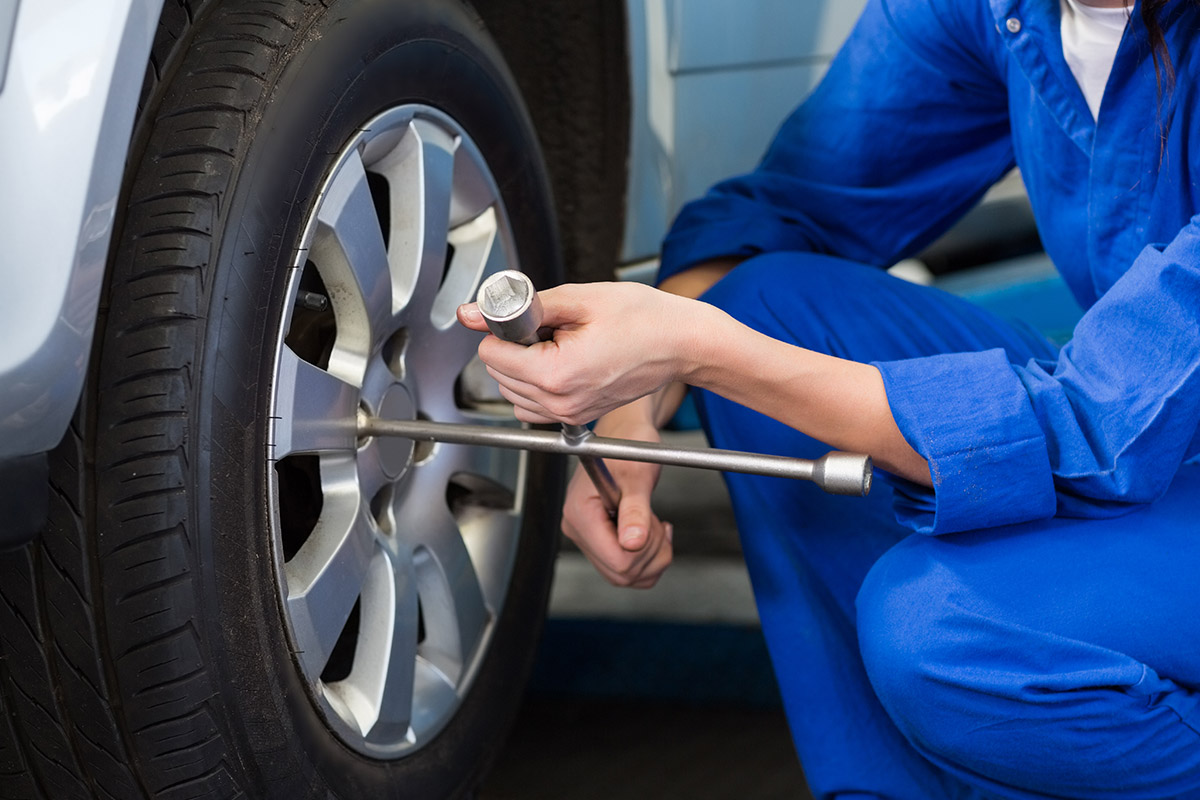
[970,417]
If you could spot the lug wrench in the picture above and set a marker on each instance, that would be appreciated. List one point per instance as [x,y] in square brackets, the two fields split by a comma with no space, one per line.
[513,312]
[836,472]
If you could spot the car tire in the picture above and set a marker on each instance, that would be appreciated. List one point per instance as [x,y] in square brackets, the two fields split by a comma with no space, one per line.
[238,594]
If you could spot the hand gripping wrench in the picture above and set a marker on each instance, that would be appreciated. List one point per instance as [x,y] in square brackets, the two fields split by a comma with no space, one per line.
[510,305]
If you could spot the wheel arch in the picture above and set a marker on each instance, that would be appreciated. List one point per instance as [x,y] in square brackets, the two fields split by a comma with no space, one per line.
[571,62]
[67,115]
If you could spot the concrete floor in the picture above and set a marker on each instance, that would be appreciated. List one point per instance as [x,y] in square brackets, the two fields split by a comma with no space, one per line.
[573,749]
[662,694]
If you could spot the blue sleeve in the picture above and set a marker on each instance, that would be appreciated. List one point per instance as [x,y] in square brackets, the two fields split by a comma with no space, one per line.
[905,133]
[1094,434]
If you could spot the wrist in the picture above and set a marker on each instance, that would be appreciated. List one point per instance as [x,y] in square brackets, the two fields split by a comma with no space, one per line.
[632,421]
[698,352]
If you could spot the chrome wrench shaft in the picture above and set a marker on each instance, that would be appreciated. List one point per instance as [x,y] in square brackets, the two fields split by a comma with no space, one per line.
[835,472]
[610,496]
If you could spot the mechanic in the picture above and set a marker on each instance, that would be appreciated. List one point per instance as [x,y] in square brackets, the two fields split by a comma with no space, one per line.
[1018,617]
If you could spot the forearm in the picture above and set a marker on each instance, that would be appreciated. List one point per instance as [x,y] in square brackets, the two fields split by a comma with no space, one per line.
[841,403]
[644,415]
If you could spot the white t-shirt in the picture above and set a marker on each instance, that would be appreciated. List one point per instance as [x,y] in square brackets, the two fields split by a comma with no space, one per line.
[1090,36]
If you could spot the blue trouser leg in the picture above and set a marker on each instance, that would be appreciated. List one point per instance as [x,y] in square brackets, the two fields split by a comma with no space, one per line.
[1050,659]
[808,553]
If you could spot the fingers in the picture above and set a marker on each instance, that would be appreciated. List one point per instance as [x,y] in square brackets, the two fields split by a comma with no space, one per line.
[501,360]
[530,394]
[516,359]
[604,352]
[469,315]
[542,405]
[525,410]
[633,521]
[636,562]
[564,306]
[513,390]
[639,570]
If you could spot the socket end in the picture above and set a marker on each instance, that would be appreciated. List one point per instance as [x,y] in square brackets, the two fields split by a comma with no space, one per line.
[844,473]
[505,295]
[510,306]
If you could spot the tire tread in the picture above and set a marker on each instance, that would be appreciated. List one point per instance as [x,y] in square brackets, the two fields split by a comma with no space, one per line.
[101,695]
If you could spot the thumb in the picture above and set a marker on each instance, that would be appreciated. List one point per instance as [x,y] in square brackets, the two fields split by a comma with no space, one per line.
[564,306]
[633,522]
[470,316]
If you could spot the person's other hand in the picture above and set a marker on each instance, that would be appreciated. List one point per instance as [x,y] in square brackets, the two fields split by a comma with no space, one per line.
[613,343]
[636,550]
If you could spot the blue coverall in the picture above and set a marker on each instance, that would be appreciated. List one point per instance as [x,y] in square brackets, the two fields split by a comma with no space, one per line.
[1031,626]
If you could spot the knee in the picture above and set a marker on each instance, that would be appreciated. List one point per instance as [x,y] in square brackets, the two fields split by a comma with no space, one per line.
[918,648]
[746,290]
[982,693]
[799,298]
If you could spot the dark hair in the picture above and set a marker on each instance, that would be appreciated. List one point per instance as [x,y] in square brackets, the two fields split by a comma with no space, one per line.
[1158,45]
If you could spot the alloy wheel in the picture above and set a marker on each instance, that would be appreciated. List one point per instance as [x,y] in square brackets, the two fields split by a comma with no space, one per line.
[393,559]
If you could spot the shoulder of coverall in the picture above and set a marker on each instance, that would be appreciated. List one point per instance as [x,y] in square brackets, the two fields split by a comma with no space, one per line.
[961,38]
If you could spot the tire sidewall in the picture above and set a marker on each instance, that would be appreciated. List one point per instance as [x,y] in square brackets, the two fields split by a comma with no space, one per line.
[358,59]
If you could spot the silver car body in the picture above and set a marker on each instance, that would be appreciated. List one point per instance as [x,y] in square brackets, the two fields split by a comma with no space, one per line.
[70,88]
[712,81]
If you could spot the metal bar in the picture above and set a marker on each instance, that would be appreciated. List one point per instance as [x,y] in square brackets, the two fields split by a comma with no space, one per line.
[596,469]
[835,472]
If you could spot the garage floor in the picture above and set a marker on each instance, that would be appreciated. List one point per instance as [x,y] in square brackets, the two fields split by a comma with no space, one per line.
[657,694]
[576,749]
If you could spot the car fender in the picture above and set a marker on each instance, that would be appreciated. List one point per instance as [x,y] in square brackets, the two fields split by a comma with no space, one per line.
[74,72]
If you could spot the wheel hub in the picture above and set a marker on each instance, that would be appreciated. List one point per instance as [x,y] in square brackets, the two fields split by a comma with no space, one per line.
[395,454]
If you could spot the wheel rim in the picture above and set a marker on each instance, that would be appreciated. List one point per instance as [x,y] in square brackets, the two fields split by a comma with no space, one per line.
[393,560]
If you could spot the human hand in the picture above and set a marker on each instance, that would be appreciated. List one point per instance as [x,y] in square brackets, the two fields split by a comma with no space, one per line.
[635,551]
[613,343]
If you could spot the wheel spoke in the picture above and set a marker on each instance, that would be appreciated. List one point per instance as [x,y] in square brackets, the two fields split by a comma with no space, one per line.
[325,577]
[379,689]
[371,477]
[491,483]
[420,175]
[477,251]
[350,254]
[490,536]
[474,192]
[314,410]
[437,692]
[491,486]
[439,360]
[396,702]
[442,351]
[451,597]
[497,465]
